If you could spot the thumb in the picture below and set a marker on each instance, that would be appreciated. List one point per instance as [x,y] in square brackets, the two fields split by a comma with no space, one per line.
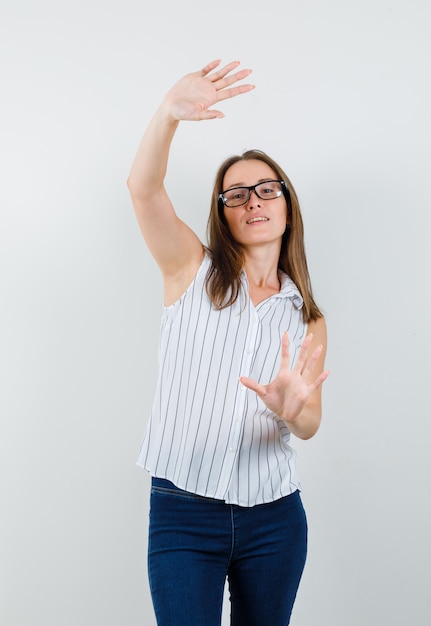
[210,115]
[251,384]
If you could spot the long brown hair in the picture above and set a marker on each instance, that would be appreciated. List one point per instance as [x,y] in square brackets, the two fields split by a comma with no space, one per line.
[224,276]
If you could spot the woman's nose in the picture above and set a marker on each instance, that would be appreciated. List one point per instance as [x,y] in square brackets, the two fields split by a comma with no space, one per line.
[253,200]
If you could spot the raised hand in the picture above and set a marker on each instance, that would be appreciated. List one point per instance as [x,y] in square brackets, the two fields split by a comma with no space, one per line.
[193,95]
[288,393]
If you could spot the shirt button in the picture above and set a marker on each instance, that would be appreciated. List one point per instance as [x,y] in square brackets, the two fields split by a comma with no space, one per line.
[232,449]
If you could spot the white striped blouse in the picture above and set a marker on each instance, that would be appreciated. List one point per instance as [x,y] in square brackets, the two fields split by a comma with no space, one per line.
[207,433]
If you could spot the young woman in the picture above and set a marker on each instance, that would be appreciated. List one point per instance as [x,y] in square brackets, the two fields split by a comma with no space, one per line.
[242,351]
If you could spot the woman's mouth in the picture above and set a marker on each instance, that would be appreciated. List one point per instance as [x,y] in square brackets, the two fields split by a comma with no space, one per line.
[253,220]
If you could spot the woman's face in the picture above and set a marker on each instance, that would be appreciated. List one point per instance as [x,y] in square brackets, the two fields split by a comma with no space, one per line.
[258,222]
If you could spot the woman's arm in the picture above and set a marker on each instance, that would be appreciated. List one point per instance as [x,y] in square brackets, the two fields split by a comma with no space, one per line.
[174,246]
[295,395]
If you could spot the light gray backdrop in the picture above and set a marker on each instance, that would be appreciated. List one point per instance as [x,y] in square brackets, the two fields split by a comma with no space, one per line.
[343,102]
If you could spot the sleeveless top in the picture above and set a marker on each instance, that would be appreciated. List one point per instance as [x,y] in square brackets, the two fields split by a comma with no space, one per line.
[207,433]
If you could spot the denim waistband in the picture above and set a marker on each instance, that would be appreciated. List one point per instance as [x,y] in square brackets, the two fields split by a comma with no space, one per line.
[162,485]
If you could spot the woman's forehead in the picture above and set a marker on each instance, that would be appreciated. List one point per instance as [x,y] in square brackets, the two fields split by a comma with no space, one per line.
[247,173]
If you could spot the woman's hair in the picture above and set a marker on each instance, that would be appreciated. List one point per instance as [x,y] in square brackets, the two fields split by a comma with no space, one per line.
[224,276]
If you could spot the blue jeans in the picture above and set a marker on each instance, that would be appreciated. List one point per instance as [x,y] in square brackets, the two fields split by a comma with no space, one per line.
[196,542]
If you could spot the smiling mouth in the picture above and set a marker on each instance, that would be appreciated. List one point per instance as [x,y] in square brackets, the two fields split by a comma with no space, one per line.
[257,219]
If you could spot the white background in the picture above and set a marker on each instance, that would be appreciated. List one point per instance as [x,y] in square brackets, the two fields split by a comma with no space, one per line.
[343,101]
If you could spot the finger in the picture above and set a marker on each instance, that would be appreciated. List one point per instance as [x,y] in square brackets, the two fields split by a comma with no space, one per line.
[318,382]
[221,73]
[303,353]
[226,81]
[223,83]
[209,67]
[314,358]
[234,91]
[252,384]
[210,114]
[285,351]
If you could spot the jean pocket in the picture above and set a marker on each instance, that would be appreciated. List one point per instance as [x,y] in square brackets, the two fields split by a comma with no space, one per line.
[166,488]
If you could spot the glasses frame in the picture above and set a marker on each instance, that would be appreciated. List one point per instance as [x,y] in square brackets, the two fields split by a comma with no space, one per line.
[284,191]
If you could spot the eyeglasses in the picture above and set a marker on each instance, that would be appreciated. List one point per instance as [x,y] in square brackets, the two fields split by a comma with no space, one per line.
[237,196]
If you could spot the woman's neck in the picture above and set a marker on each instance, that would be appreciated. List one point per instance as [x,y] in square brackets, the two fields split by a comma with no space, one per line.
[261,268]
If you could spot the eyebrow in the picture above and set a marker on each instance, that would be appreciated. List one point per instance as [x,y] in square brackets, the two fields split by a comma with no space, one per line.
[261,180]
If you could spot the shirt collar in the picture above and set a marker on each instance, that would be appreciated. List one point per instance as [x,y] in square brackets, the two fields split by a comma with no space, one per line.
[288,289]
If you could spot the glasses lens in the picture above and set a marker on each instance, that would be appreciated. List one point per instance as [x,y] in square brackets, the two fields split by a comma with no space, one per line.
[236,197]
[269,190]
